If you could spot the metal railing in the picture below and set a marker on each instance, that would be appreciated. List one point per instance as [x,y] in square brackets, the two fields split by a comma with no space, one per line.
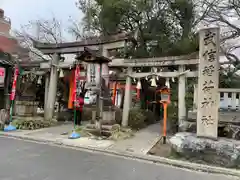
[229,99]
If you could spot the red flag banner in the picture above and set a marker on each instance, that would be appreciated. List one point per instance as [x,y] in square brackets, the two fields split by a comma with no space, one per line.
[76,79]
[16,72]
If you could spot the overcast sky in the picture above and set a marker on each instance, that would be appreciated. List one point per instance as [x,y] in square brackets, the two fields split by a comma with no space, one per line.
[22,11]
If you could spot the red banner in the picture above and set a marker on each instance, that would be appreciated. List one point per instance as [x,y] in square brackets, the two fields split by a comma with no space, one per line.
[16,72]
[76,78]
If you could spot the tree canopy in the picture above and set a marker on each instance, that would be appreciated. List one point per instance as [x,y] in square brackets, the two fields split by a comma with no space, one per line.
[226,14]
[160,27]
[167,27]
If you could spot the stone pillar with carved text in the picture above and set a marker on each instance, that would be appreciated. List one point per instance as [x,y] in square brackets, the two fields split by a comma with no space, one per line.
[208,80]
[91,73]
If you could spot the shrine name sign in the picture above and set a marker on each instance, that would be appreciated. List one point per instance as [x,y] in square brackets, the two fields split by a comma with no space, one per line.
[208,80]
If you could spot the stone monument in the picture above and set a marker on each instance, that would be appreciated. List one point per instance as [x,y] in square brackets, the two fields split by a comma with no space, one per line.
[208,80]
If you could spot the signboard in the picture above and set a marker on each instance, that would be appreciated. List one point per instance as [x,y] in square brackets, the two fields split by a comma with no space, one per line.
[208,80]
[2,76]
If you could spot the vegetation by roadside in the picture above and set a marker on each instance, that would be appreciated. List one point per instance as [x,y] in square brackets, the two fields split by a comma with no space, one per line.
[165,150]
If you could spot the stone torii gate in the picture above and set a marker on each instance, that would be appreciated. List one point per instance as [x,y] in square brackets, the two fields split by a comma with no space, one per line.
[208,79]
[182,74]
[105,46]
[100,44]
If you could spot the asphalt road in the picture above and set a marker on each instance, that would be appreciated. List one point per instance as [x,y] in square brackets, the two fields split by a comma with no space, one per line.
[21,160]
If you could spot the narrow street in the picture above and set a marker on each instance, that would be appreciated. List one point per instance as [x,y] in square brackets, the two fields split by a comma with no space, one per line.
[21,160]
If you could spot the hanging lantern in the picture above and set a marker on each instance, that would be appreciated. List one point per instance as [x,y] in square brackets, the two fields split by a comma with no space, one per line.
[167,83]
[153,82]
[134,79]
[39,80]
[139,85]
[157,78]
[173,79]
[146,78]
[61,75]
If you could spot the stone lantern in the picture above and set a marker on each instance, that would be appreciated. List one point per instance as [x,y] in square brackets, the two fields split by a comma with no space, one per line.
[91,57]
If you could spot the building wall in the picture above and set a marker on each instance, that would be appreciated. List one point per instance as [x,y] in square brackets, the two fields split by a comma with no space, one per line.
[5,24]
[8,44]
[5,44]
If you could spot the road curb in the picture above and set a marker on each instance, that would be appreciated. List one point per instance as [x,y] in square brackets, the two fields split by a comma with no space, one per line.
[149,158]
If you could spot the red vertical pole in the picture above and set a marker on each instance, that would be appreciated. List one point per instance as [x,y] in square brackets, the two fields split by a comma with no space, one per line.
[76,77]
[13,93]
[114,93]
[164,122]
[14,84]
[138,94]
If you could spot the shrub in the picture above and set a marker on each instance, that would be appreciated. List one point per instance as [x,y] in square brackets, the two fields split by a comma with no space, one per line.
[150,117]
[137,118]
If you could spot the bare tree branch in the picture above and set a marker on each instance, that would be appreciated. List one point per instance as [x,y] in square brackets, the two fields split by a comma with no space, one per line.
[25,41]
[226,14]
[75,29]
[49,31]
